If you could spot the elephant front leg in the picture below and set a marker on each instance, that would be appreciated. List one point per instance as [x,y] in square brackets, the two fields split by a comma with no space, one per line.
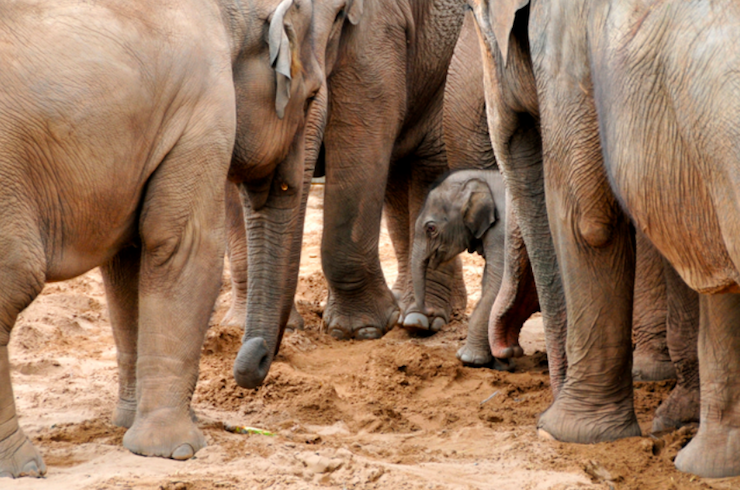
[651,360]
[236,248]
[682,406]
[121,279]
[182,236]
[713,452]
[21,280]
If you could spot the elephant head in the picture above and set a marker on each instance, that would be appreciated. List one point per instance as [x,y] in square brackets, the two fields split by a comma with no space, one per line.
[280,71]
[456,215]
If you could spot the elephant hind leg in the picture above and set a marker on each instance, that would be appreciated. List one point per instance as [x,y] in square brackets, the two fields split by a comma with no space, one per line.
[21,280]
[651,360]
[121,279]
[712,453]
[682,407]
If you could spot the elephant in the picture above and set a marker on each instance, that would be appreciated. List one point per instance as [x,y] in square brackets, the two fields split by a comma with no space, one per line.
[465,211]
[116,145]
[635,106]
[384,146]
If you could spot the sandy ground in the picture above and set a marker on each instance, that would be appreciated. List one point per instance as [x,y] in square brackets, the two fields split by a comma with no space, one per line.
[396,413]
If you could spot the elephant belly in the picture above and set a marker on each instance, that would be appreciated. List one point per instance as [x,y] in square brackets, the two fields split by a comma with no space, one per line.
[677,213]
[669,131]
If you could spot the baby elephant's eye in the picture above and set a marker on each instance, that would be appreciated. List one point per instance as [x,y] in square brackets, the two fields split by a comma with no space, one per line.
[431,228]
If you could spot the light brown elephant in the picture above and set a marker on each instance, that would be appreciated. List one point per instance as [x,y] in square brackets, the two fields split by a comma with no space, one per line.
[636,105]
[118,125]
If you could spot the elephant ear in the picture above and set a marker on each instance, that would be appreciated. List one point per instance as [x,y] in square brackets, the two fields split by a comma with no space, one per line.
[354,11]
[478,209]
[280,56]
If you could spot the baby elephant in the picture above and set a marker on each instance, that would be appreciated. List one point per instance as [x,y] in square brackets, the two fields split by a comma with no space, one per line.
[465,211]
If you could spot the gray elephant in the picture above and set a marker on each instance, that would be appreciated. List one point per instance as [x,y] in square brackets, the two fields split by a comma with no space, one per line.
[384,145]
[466,211]
[115,154]
[593,66]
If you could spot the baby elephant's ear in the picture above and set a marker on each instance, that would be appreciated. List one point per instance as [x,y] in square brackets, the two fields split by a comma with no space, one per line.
[281,56]
[354,11]
[478,208]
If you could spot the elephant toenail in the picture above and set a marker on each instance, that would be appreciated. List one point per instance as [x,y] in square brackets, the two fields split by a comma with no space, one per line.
[30,469]
[368,333]
[183,452]
[438,323]
[338,333]
[395,319]
[416,320]
[6,474]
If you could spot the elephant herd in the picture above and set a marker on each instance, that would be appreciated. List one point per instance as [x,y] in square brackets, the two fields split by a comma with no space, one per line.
[596,145]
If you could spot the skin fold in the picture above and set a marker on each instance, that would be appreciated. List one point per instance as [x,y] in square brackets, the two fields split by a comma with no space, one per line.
[134,182]
[596,65]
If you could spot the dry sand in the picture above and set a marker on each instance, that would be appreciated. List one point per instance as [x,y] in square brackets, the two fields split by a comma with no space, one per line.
[396,413]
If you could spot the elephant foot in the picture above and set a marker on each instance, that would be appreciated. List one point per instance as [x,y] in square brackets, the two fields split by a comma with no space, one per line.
[346,319]
[571,419]
[652,367]
[680,408]
[165,433]
[236,316]
[295,321]
[18,457]
[506,350]
[421,321]
[474,355]
[712,453]
[125,413]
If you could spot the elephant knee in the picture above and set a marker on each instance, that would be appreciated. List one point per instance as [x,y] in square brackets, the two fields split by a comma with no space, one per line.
[596,231]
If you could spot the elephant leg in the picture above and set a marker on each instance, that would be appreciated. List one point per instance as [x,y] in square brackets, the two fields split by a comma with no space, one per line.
[650,359]
[121,279]
[21,280]
[476,351]
[682,406]
[397,218]
[236,249]
[358,152]
[713,452]
[517,298]
[182,235]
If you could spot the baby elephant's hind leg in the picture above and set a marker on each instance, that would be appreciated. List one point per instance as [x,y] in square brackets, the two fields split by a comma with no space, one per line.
[21,280]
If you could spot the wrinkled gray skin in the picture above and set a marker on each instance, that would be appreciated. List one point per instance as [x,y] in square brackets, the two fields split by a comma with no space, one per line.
[236,250]
[384,143]
[134,182]
[673,172]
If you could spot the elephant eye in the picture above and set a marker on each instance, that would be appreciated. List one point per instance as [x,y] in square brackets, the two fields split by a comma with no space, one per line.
[431,229]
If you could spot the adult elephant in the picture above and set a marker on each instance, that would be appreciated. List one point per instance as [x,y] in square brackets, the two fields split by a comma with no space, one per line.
[645,58]
[117,133]
[384,144]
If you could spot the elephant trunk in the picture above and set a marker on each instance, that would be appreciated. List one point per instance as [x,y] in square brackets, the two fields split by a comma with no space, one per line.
[275,236]
[419,266]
